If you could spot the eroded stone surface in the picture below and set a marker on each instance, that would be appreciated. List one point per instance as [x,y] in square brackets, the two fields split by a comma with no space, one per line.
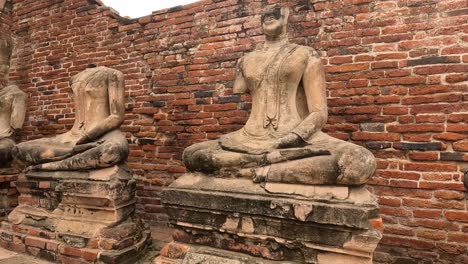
[12,113]
[278,190]
[56,221]
[240,216]
[95,140]
[282,140]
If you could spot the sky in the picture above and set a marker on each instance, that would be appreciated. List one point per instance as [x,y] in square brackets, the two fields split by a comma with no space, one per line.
[139,8]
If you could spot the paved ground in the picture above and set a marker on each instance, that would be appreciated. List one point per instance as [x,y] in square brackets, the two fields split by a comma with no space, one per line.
[8,257]
[161,235]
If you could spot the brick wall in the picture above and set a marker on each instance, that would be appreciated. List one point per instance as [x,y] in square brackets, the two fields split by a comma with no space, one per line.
[397,84]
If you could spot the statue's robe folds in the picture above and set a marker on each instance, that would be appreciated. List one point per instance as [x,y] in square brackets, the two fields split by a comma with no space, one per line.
[281,85]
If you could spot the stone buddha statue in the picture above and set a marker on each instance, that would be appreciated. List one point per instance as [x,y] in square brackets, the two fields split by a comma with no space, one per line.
[12,112]
[282,140]
[95,140]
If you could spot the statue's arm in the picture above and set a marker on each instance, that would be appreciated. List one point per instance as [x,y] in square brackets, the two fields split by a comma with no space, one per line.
[18,112]
[240,86]
[116,93]
[315,91]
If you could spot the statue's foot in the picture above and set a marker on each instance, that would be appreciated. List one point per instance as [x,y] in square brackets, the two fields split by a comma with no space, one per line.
[32,168]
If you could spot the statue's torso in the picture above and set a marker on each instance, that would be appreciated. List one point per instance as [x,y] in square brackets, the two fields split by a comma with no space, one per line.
[7,97]
[91,98]
[6,101]
[274,78]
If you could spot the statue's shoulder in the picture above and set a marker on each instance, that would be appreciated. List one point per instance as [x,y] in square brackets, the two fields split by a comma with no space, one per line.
[13,89]
[309,51]
[250,54]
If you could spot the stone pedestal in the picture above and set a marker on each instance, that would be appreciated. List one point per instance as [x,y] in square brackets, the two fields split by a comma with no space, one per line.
[220,220]
[77,217]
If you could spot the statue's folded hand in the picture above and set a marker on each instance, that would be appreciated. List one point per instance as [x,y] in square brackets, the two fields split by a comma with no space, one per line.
[291,140]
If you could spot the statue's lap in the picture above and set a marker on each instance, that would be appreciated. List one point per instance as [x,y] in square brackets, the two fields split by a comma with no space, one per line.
[346,163]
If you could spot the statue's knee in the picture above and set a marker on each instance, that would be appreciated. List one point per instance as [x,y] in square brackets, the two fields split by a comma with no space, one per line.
[197,159]
[113,153]
[357,165]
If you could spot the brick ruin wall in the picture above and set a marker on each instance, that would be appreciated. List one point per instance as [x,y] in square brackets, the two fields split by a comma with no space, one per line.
[396,77]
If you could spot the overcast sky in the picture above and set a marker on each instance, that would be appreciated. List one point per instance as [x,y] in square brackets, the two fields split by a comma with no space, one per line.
[139,8]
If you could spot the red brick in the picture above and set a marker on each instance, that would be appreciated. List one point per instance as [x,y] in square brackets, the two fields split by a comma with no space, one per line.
[348,68]
[416,128]
[461,145]
[375,136]
[417,137]
[389,201]
[451,248]
[460,238]
[36,242]
[424,156]
[424,213]
[406,242]
[448,136]
[399,175]
[449,195]
[398,230]
[455,78]
[458,118]
[459,216]
[70,251]
[411,80]
[442,185]
[431,234]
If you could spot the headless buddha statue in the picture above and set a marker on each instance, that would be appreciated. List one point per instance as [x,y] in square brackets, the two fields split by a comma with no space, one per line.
[12,112]
[282,140]
[95,140]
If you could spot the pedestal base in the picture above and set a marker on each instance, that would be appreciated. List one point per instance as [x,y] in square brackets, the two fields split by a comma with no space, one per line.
[324,225]
[77,217]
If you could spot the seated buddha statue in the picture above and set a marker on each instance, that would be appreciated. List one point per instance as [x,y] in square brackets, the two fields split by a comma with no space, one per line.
[12,112]
[95,140]
[282,140]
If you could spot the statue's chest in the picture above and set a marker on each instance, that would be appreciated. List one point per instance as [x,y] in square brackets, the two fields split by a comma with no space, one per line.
[85,90]
[271,67]
[6,101]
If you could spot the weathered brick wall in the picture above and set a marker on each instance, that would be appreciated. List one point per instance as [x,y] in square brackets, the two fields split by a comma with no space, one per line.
[397,84]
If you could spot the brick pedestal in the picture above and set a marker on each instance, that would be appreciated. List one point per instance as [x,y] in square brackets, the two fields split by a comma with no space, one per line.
[236,221]
[77,217]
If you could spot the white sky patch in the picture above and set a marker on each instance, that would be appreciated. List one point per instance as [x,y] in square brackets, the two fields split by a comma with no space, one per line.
[139,8]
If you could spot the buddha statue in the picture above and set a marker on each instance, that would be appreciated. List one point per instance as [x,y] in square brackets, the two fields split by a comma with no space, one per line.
[95,140]
[12,112]
[282,140]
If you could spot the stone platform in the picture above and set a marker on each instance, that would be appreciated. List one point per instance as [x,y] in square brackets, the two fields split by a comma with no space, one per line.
[77,217]
[300,224]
